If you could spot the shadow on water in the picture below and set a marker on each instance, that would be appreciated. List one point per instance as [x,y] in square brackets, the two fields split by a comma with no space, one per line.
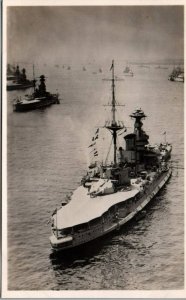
[92,251]
[78,256]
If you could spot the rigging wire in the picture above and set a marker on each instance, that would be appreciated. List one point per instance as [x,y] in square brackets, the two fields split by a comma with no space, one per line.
[108,151]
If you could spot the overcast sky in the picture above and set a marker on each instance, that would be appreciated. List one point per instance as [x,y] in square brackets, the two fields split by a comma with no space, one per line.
[59,34]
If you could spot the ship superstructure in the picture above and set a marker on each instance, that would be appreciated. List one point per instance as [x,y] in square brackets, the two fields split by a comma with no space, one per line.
[112,194]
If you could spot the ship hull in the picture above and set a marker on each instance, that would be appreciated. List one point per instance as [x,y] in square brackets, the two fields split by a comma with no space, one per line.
[19,107]
[19,87]
[109,225]
[11,77]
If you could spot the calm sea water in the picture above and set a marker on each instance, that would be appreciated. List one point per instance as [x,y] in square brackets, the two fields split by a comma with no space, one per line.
[47,156]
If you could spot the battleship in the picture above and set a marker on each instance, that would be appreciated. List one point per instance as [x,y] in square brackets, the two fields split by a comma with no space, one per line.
[112,193]
[18,80]
[40,98]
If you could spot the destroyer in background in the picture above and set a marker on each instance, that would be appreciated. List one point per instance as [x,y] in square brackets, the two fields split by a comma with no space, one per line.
[39,99]
[111,194]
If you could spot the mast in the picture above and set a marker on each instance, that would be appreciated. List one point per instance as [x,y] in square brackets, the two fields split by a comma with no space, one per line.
[33,72]
[34,80]
[113,96]
[114,126]
[114,113]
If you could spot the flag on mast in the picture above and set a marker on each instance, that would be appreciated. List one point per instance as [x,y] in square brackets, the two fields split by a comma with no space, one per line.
[97,131]
[92,145]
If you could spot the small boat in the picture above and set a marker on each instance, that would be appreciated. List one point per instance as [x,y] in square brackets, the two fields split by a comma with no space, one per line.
[161,67]
[128,71]
[112,193]
[177,75]
[20,81]
[100,70]
[39,99]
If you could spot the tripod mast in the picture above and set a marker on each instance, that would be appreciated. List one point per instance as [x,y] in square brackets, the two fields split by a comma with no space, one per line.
[114,126]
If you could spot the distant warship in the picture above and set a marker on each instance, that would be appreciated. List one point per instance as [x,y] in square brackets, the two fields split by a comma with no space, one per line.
[39,99]
[19,80]
[128,71]
[177,75]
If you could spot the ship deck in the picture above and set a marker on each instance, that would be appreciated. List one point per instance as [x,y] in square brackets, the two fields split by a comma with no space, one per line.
[30,101]
[82,208]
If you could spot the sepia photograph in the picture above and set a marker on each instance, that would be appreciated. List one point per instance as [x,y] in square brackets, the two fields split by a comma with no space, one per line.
[93,149]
